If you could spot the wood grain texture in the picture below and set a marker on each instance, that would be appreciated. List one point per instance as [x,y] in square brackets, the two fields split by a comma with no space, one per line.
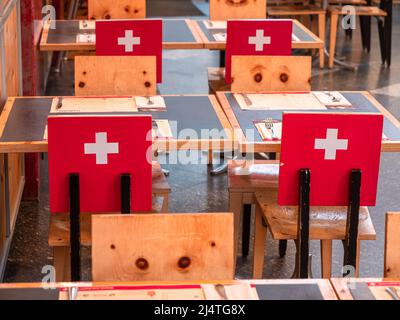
[237,9]
[271,73]
[115,75]
[116,9]
[326,223]
[162,247]
[392,245]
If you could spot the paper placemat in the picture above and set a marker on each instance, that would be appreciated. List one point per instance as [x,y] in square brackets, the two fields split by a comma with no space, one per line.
[215,24]
[153,103]
[279,101]
[269,129]
[220,36]
[85,38]
[87,24]
[184,292]
[93,105]
[295,38]
[161,129]
[229,292]
[332,99]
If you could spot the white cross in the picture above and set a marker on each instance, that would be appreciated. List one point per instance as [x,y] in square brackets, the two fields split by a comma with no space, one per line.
[128,41]
[331,144]
[101,148]
[259,40]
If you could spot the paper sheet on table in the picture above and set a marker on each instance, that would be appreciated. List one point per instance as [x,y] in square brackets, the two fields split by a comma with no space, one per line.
[295,38]
[161,129]
[132,293]
[220,36]
[215,24]
[92,105]
[87,24]
[85,38]
[279,101]
[229,292]
[155,103]
[269,130]
[332,99]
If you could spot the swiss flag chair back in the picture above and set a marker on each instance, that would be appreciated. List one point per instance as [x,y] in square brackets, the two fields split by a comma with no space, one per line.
[237,9]
[116,9]
[258,57]
[128,59]
[100,149]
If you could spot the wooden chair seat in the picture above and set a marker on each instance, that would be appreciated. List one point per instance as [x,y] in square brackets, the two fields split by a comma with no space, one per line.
[59,229]
[295,10]
[262,174]
[326,223]
[371,11]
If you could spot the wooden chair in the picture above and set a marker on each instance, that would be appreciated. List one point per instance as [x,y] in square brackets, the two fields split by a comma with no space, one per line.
[116,9]
[326,224]
[59,235]
[115,75]
[262,175]
[264,73]
[237,9]
[280,11]
[162,247]
[362,12]
[392,245]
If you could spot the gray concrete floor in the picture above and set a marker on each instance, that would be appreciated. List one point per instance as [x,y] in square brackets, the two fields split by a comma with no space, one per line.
[194,190]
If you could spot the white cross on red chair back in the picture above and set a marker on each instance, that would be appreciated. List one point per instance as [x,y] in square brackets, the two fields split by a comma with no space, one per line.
[130,37]
[100,149]
[257,37]
[330,145]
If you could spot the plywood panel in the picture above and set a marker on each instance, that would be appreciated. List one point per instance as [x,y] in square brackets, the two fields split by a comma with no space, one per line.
[392,245]
[162,247]
[238,9]
[116,9]
[11,54]
[271,73]
[115,75]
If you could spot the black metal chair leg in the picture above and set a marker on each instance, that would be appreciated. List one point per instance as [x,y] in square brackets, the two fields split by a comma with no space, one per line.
[282,248]
[246,230]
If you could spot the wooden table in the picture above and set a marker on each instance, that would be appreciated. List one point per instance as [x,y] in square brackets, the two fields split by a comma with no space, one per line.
[241,121]
[306,39]
[168,290]
[23,123]
[177,34]
[365,288]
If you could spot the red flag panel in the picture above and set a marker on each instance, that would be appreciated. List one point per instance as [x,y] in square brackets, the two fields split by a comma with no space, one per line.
[100,149]
[257,37]
[130,37]
[330,145]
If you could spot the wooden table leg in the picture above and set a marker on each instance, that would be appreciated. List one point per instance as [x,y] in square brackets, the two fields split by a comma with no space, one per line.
[332,38]
[260,233]
[235,206]
[321,33]
[62,263]
[165,205]
[246,224]
[358,259]
[326,258]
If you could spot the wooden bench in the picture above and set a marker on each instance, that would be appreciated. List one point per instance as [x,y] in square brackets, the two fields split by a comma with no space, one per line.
[59,229]
[326,224]
[392,245]
[116,9]
[304,10]
[361,11]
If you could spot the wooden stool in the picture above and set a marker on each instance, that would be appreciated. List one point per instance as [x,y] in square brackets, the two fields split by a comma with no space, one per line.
[263,174]
[59,235]
[361,11]
[326,224]
[304,10]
